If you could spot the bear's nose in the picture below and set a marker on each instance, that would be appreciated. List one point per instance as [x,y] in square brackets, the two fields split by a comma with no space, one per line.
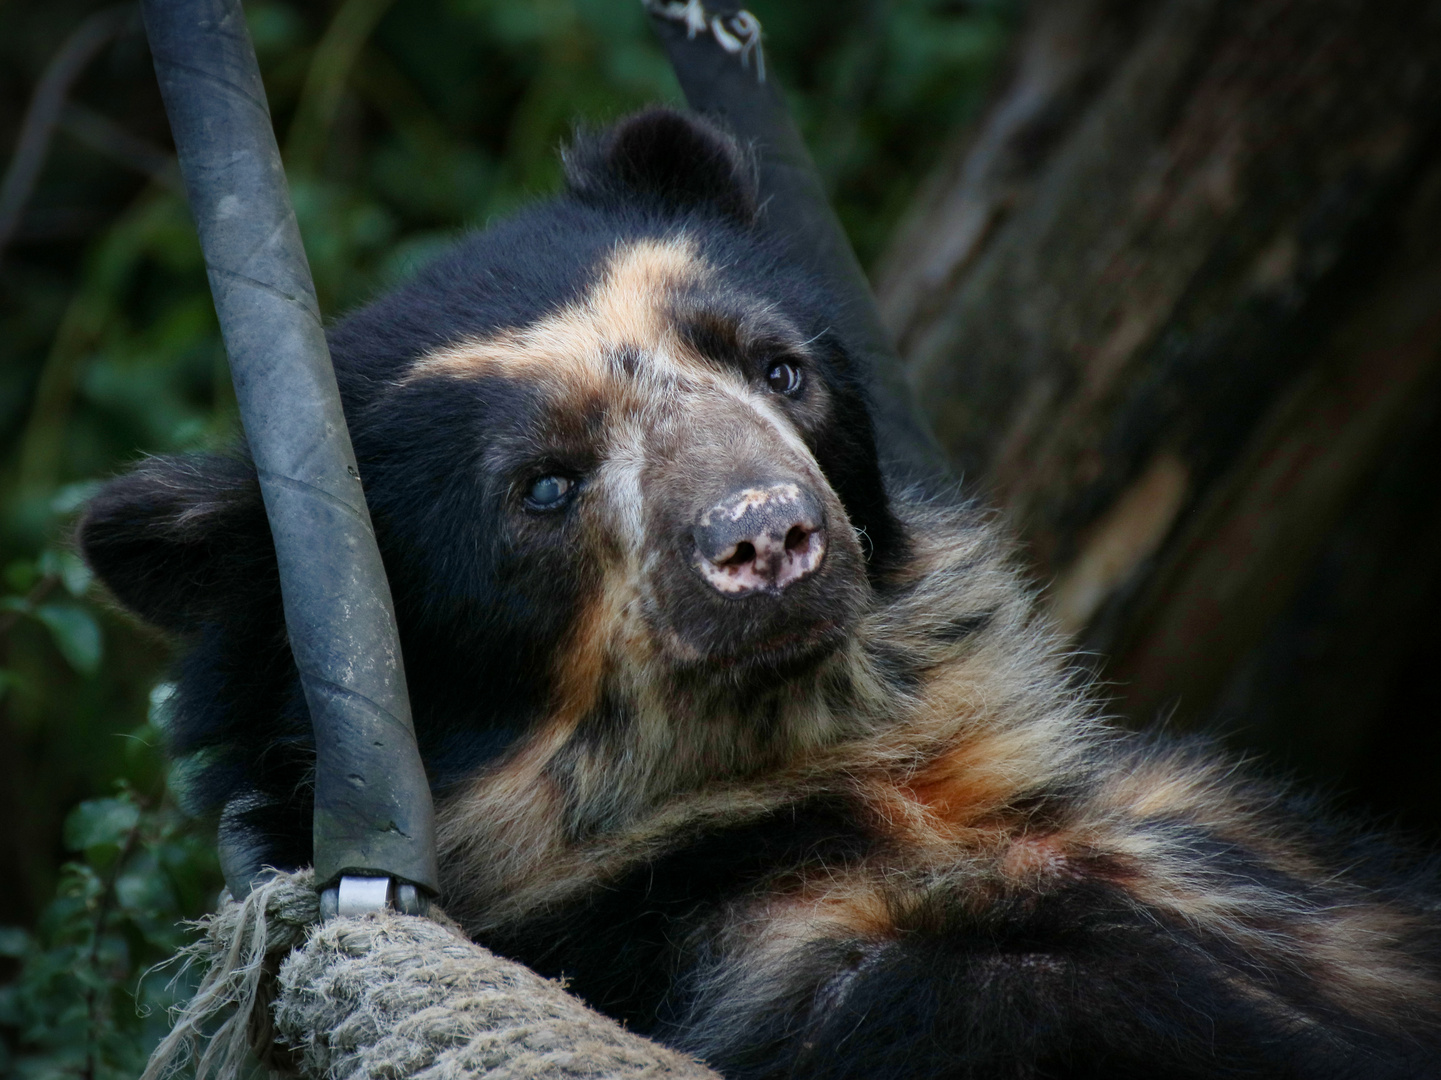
[760,538]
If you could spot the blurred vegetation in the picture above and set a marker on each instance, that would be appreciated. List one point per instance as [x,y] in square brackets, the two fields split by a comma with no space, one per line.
[403,122]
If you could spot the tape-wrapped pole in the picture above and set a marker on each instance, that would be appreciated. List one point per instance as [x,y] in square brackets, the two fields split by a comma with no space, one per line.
[719,60]
[373,810]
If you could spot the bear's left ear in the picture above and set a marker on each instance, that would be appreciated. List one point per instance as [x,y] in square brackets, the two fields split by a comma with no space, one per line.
[667,156]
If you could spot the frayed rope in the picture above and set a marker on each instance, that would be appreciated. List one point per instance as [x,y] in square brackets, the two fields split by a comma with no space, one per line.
[384,995]
[240,948]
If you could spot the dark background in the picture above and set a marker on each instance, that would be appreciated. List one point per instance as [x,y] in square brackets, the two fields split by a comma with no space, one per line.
[1166,273]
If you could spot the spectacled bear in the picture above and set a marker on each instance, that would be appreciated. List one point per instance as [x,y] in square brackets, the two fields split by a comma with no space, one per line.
[769,756]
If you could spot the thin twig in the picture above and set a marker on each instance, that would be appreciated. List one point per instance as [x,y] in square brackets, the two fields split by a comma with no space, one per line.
[38,129]
[107,896]
[42,588]
[334,59]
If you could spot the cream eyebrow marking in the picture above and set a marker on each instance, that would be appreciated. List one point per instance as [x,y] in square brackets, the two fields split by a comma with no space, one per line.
[628,307]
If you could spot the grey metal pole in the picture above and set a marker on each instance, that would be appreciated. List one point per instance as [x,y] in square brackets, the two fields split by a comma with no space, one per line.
[373,813]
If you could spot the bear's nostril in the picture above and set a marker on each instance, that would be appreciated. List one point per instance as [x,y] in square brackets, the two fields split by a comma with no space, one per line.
[798,538]
[744,553]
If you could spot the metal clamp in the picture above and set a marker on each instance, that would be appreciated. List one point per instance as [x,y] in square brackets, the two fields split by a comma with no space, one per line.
[356,894]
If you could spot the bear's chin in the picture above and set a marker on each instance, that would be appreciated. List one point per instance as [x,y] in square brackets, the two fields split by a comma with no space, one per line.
[758,641]
[783,656]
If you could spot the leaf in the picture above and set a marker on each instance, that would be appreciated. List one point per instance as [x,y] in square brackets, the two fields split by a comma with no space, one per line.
[9,1007]
[21,575]
[69,567]
[72,497]
[76,634]
[100,822]
[13,942]
[162,706]
[143,889]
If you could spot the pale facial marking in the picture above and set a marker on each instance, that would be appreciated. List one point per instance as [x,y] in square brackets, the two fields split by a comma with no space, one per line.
[753,498]
[627,308]
[620,477]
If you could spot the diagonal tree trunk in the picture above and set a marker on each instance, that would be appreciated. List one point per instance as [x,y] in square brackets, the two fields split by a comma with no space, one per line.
[1174,303]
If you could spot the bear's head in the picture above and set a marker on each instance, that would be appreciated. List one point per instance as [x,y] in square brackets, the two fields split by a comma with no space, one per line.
[623,476]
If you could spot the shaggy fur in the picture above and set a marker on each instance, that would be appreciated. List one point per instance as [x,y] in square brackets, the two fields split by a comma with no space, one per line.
[863,822]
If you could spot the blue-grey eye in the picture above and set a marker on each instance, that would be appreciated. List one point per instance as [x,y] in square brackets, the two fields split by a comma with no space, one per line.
[549,492]
[784,378]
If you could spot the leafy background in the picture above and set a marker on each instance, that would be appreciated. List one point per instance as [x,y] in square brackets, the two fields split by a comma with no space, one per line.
[403,122]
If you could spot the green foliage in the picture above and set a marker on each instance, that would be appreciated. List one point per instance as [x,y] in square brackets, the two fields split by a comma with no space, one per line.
[403,122]
[85,1001]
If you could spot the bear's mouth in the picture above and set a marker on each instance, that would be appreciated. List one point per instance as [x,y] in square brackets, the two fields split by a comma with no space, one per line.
[780,656]
[763,583]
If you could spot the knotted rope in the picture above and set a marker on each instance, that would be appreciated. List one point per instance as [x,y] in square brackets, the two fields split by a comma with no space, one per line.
[383,995]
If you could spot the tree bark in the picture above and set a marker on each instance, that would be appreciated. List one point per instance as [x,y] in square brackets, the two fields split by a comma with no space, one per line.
[1174,304]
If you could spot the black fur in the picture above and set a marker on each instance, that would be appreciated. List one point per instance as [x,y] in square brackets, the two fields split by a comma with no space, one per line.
[834,868]
[680,162]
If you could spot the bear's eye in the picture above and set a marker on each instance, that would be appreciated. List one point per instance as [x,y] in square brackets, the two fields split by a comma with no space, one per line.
[784,378]
[549,492]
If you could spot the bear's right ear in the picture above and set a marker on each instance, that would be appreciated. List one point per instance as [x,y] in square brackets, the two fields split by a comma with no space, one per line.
[181,540]
[665,156]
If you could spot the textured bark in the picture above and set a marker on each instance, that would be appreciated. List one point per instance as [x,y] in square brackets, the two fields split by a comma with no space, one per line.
[1174,303]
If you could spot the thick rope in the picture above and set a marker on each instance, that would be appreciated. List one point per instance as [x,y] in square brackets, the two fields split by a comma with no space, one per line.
[240,948]
[384,995]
